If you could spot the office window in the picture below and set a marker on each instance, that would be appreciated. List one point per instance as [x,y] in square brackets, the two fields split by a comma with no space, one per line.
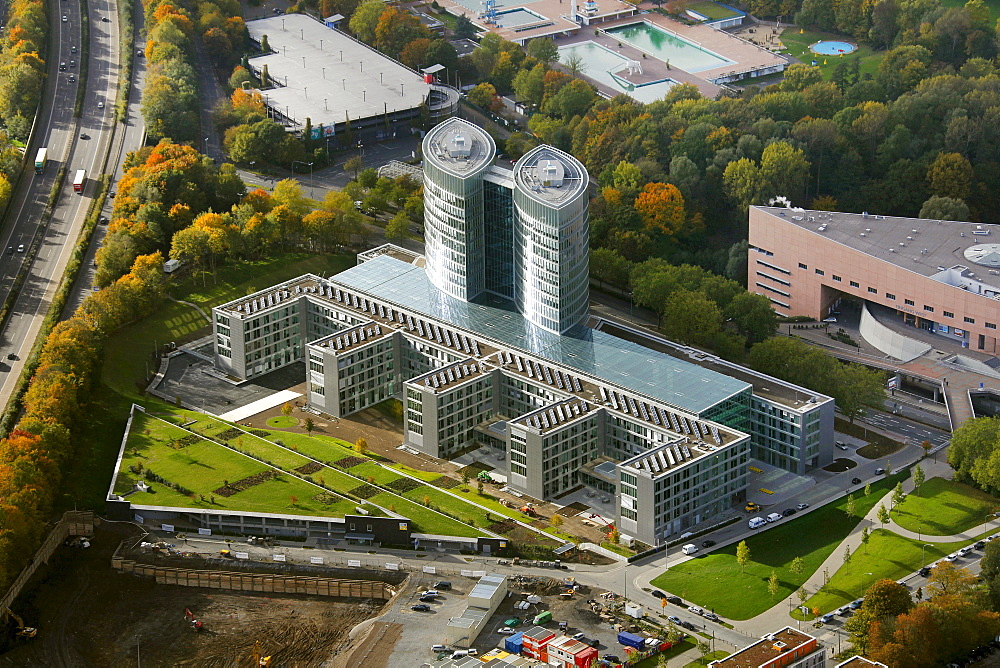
[836,278]
[948,314]
[929,309]
[908,302]
[821,272]
[802,266]
[854,284]
[990,325]
[971,321]
[889,295]
[873,291]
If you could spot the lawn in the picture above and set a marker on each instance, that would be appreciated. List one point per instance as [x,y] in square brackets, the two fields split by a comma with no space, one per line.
[715,580]
[202,467]
[797,44]
[173,321]
[283,422]
[944,507]
[712,10]
[889,555]
[424,519]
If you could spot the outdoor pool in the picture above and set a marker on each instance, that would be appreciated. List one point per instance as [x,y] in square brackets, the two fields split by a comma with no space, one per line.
[832,48]
[601,64]
[676,51]
[512,18]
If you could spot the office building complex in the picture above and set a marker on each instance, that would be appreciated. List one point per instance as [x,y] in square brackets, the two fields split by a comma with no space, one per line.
[521,235]
[942,276]
[482,354]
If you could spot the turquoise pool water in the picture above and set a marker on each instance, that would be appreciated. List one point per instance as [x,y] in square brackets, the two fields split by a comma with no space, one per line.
[601,64]
[665,46]
[832,48]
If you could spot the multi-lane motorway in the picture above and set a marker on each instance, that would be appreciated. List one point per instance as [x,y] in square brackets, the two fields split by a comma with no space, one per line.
[62,133]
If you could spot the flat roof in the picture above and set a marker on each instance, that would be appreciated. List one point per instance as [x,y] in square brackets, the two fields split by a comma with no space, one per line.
[925,247]
[769,647]
[551,176]
[328,76]
[458,147]
[620,362]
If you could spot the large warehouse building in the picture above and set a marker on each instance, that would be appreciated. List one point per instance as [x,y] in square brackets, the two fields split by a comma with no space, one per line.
[562,403]
[941,276]
[319,73]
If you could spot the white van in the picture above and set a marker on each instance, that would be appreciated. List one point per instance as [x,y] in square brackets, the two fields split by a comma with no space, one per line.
[757,522]
[690,548]
[773,517]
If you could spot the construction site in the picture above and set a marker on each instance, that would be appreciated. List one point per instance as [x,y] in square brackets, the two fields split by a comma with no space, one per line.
[77,610]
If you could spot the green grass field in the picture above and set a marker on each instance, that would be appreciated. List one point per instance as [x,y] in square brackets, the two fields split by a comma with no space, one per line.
[283,422]
[797,44]
[889,555]
[715,581]
[712,10]
[944,507]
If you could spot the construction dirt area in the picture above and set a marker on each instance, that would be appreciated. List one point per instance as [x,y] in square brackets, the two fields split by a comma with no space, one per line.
[89,615]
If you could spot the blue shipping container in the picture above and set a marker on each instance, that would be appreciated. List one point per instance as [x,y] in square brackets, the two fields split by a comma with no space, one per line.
[514,643]
[631,640]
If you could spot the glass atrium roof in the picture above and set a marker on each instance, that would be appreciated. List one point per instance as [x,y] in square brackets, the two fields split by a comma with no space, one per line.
[682,384]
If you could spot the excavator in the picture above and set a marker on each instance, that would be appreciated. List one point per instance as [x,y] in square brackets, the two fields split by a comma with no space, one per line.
[22,630]
[196,625]
[258,660]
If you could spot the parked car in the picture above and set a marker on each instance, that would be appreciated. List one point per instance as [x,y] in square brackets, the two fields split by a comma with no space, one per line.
[879,471]
[658,594]
[676,600]
[980,545]
[439,648]
[965,550]
[925,571]
[841,445]
[707,543]
[826,619]
[711,616]
[788,512]
[857,604]
[694,609]
[428,599]
[773,517]
[843,612]
[420,607]
[855,481]
[506,631]
[513,622]
[612,658]
[802,506]
[673,619]
[442,584]
[430,592]
[951,557]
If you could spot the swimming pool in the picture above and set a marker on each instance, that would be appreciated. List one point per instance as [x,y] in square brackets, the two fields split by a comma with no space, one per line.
[832,48]
[661,44]
[601,64]
[512,18]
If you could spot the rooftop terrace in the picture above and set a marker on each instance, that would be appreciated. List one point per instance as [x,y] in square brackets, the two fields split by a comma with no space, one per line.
[459,147]
[550,176]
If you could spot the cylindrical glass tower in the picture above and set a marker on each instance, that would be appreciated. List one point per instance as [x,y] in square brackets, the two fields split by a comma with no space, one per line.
[456,153]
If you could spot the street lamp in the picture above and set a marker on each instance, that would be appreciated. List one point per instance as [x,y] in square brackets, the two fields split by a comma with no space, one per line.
[869,584]
[923,562]
[311,194]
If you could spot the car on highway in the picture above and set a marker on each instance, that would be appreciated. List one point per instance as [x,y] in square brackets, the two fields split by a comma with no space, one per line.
[420,607]
[65,18]
[855,481]
[20,248]
[72,49]
[673,619]
[802,506]
[707,543]
[72,63]
[139,52]
[62,67]
[72,78]
[10,250]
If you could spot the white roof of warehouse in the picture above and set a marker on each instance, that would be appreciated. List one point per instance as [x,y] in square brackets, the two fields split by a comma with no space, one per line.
[357,82]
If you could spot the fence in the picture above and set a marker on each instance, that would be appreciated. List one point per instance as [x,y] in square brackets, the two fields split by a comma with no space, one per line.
[72,523]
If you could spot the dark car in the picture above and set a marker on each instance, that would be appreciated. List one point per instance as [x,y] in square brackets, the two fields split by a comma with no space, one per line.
[420,607]
[708,543]
[612,658]
[688,625]
[788,512]
[11,356]
[925,571]
[856,481]
[442,584]
[676,600]
[980,545]
[428,599]
[659,594]
[10,250]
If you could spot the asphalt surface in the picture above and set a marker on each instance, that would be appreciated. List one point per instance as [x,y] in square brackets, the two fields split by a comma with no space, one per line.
[60,132]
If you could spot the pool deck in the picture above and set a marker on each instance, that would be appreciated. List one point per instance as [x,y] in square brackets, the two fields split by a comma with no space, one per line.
[652,69]
[557,22]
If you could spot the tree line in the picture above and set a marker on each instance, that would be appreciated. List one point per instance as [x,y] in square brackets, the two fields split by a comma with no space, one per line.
[22,65]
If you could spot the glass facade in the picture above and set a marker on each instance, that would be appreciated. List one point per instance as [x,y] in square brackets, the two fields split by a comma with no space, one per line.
[499,240]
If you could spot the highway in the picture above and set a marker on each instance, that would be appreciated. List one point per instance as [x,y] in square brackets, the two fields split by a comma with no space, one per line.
[61,133]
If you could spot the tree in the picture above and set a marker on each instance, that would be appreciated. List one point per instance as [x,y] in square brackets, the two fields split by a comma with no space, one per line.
[897,494]
[464,28]
[365,20]
[573,99]
[918,478]
[608,266]
[398,227]
[852,510]
[990,573]
[865,537]
[773,585]
[691,317]
[797,566]
[661,207]
[868,489]
[742,183]
[575,64]
[885,599]
[883,515]
[947,578]
[361,445]
[803,595]
[950,175]
[855,387]
[753,316]
[543,49]
[784,170]
[294,500]
[847,554]
[944,208]
[556,521]
[286,409]
[396,28]
[354,164]
[484,95]
[743,555]
[309,425]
